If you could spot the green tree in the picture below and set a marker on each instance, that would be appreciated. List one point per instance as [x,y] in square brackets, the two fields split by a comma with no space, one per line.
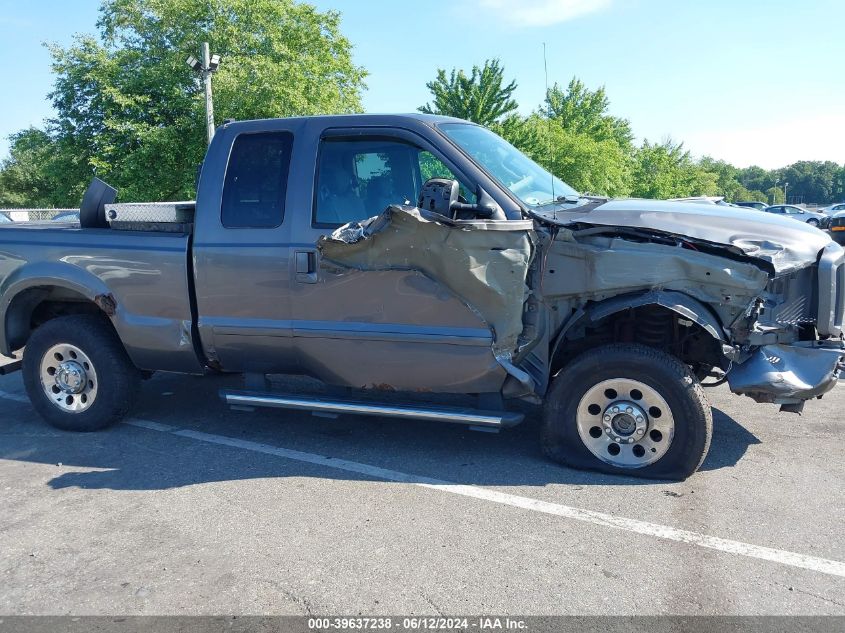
[587,164]
[839,191]
[25,176]
[666,170]
[129,109]
[812,181]
[775,195]
[724,173]
[583,111]
[756,178]
[481,97]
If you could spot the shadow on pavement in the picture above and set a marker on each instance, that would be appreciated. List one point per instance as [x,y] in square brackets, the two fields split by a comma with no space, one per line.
[129,458]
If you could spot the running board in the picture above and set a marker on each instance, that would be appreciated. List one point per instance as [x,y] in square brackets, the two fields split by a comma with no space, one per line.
[473,417]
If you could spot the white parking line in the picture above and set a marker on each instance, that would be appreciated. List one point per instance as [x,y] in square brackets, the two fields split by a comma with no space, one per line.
[783,557]
[822,565]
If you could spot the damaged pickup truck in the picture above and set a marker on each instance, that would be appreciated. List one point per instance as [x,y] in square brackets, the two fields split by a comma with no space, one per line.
[425,254]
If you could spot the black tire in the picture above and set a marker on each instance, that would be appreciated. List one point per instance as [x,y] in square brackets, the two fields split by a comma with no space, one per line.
[665,374]
[118,381]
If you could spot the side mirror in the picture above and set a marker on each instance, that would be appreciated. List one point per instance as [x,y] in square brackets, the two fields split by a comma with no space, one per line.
[441,195]
[438,195]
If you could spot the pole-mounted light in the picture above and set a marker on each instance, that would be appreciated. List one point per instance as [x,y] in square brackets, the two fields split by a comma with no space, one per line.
[208,66]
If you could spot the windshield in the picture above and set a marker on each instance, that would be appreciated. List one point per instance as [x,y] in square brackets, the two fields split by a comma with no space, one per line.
[526,179]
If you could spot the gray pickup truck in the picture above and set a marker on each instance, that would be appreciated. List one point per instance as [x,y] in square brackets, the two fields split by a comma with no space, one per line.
[412,253]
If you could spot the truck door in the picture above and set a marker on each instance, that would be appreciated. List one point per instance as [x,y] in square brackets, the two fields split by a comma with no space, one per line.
[241,251]
[389,329]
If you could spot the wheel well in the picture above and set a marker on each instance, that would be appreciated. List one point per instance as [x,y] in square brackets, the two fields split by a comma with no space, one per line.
[652,325]
[35,306]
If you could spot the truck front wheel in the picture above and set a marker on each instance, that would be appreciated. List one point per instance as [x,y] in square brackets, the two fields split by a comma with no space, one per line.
[628,409]
[77,374]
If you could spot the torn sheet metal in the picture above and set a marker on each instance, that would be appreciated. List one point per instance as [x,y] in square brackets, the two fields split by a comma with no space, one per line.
[787,373]
[485,263]
[783,243]
[597,267]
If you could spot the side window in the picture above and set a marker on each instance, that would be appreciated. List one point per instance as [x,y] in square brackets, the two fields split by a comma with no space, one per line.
[361,178]
[256,181]
[357,179]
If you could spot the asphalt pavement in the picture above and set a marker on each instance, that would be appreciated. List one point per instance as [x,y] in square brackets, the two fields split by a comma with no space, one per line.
[189,508]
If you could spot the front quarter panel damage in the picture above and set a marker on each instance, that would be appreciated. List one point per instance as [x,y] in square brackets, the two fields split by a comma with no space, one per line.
[598,268]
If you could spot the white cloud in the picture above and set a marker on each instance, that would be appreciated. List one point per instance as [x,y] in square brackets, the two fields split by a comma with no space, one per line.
[540,12]
[776,143]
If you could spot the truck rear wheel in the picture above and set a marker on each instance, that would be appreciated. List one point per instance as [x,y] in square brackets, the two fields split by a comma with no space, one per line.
[77,374]
[628,409]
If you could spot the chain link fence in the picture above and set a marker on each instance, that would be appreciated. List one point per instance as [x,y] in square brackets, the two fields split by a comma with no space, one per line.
[39,215]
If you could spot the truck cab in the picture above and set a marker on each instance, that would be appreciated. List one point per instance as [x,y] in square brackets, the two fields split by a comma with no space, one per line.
[265,300]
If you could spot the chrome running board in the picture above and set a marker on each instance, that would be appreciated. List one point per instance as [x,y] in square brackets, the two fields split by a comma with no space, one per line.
[472,417]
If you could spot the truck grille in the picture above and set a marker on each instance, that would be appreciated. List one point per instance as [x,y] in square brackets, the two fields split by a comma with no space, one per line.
[831,301]
[793,301]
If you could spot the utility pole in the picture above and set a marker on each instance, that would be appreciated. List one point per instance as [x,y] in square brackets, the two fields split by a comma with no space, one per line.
[209,65]
[785,199]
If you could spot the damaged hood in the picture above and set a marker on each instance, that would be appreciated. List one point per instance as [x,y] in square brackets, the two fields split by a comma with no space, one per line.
[783,243]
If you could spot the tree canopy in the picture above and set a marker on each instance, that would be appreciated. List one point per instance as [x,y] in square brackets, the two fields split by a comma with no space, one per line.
[129,109]
[573,135]
[481,97]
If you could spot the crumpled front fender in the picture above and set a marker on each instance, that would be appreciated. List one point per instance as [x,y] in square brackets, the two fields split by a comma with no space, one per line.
[788,374]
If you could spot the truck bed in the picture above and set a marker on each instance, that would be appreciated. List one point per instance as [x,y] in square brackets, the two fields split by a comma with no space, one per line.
[142,277]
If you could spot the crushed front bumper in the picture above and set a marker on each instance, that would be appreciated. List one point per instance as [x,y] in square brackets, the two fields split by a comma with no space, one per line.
[789,374]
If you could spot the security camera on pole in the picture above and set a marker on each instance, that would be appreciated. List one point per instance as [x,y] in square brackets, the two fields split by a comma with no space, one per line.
[210,64]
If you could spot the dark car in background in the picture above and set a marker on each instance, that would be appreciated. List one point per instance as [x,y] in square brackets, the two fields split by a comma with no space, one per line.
[760,206]
[837,227]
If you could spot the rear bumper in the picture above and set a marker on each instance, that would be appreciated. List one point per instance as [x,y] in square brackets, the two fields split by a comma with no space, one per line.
[789,374]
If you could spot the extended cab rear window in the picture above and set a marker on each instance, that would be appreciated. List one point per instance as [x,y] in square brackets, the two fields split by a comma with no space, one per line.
[256,180]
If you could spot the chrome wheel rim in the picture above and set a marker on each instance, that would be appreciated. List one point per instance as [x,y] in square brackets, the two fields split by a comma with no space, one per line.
[625,423]
[68,378]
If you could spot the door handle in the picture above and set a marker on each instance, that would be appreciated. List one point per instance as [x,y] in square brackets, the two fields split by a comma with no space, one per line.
[305,266]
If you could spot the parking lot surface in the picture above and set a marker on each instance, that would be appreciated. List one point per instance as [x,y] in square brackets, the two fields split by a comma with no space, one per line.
[190,508]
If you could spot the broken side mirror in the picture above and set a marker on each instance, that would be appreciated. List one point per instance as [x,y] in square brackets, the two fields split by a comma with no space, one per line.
[442,196]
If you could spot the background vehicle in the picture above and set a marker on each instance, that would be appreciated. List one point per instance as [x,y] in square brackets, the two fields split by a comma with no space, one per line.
[760,206]
[502,282]
[67,216]
[720,200]
[837,227]
[797,213]
[4,218]
[832,209]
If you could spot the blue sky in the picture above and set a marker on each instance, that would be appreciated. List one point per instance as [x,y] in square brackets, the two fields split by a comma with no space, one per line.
[749,81]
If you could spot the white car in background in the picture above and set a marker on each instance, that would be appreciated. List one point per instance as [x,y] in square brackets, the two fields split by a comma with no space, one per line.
[812,218]
[832,209]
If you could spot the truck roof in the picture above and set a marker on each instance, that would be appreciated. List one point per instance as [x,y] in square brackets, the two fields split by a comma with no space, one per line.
[358,119]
